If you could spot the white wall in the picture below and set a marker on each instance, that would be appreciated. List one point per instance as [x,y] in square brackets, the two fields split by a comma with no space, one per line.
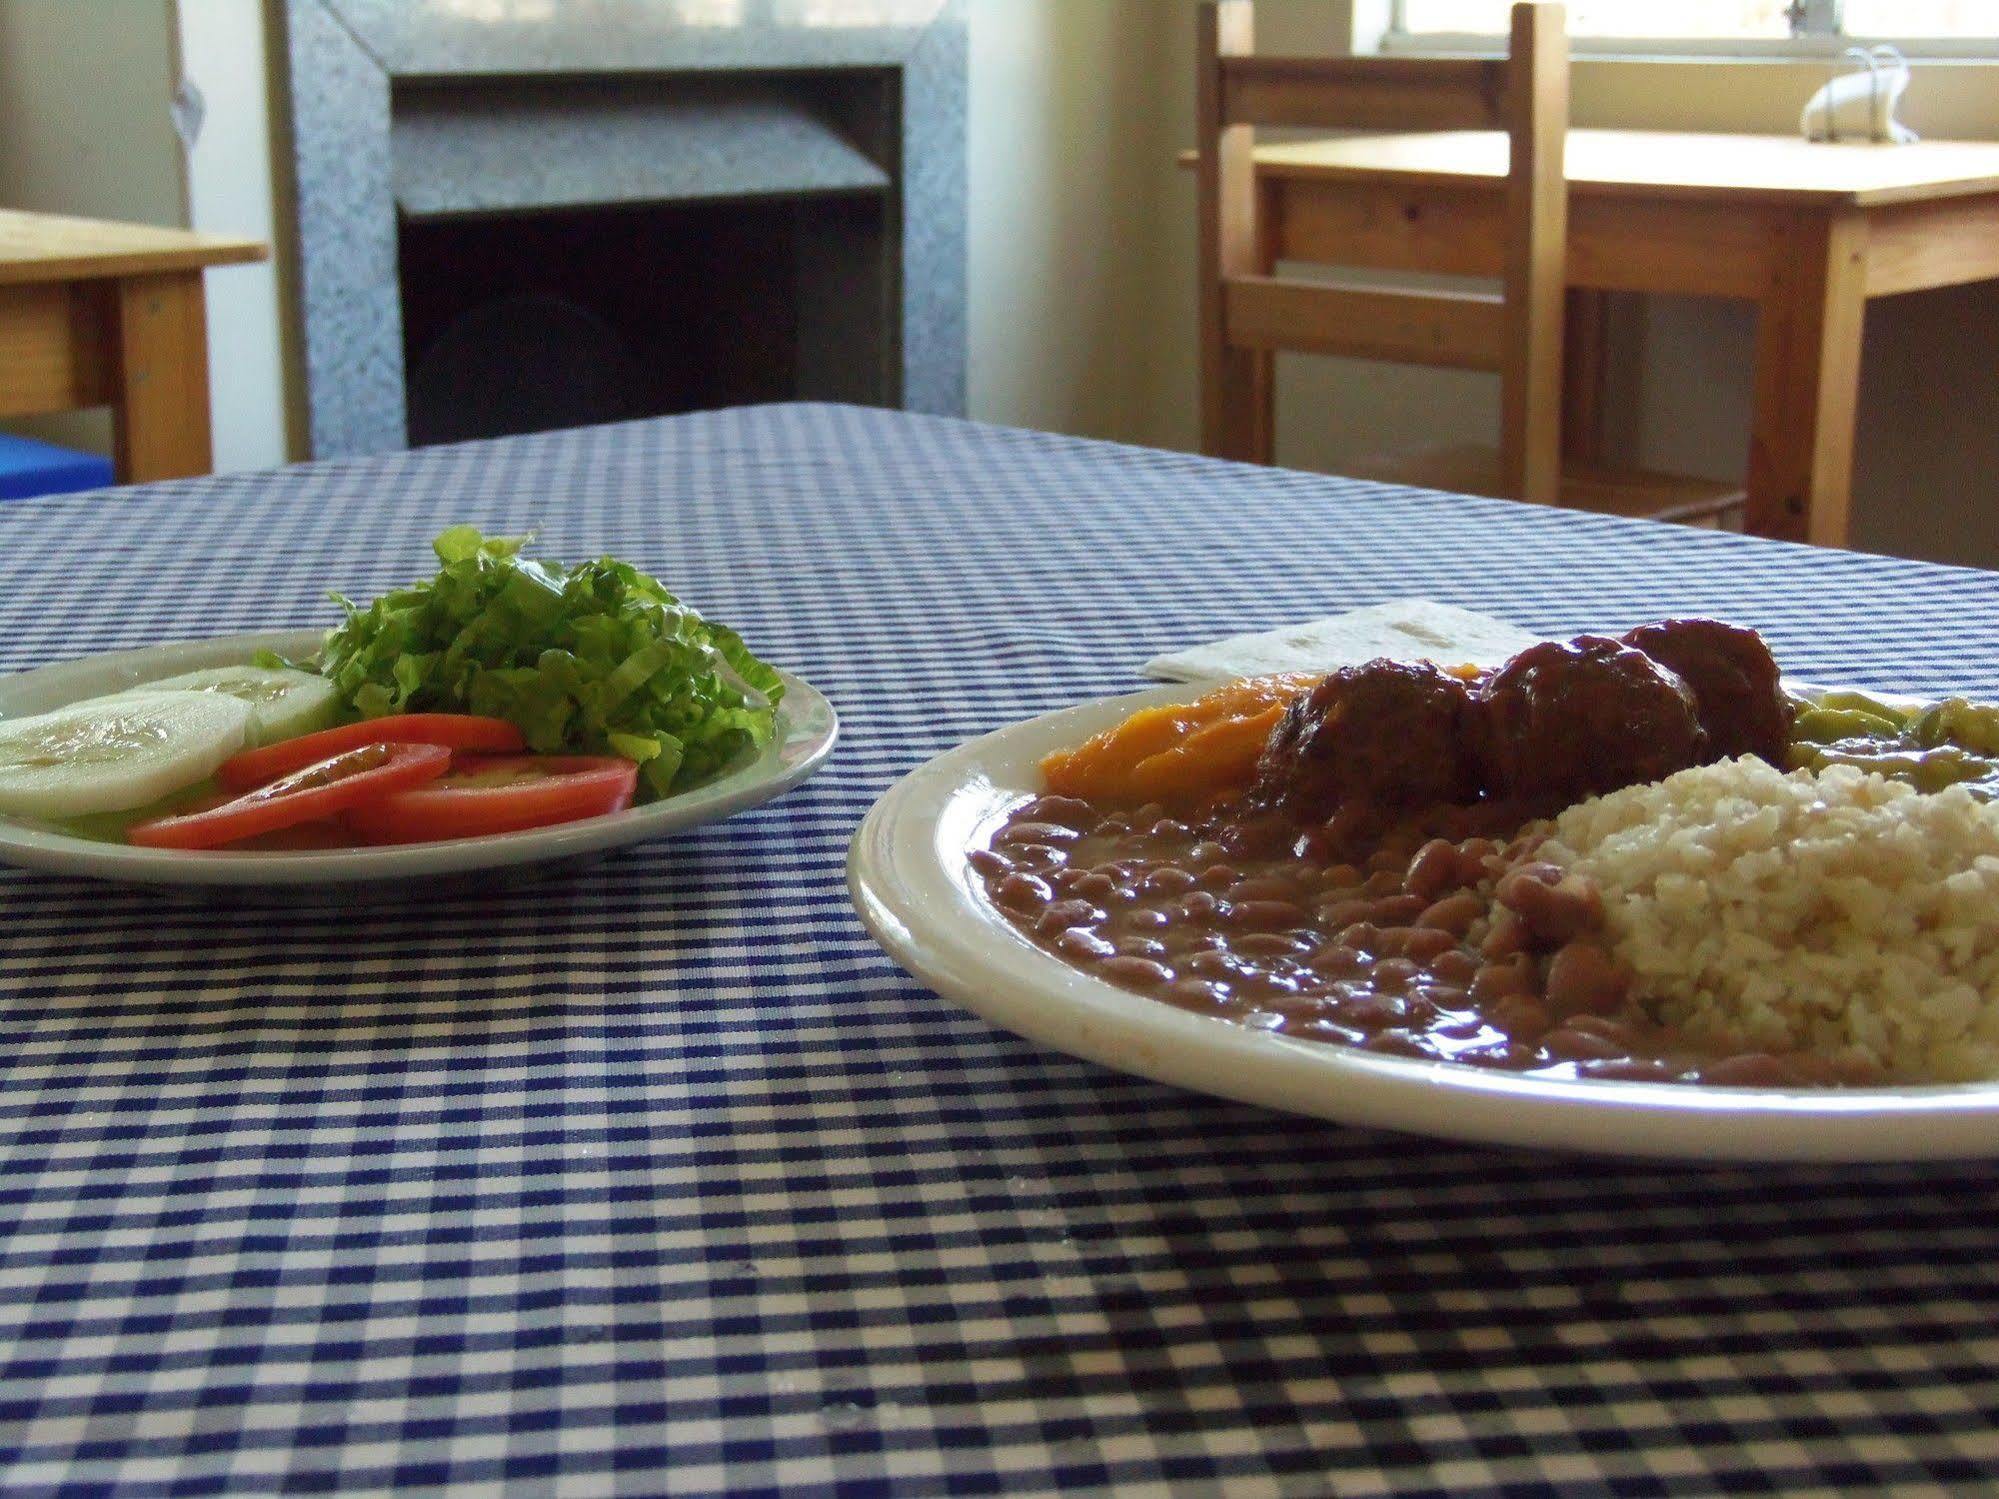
[84,129]
[222,52]
[1064,129]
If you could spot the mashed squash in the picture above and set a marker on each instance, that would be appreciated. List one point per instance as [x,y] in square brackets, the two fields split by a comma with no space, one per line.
[1183,753]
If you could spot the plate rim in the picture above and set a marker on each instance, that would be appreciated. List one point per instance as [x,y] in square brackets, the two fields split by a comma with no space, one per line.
[938,927]
[808,728]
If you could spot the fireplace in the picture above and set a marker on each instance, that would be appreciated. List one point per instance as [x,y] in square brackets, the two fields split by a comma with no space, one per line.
[516,215]
[527,322]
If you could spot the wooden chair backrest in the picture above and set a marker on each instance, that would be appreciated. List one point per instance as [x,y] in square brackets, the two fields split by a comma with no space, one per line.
[1246,309]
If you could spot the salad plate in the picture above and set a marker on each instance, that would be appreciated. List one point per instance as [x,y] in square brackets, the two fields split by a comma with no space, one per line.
[805,731]
[910,881]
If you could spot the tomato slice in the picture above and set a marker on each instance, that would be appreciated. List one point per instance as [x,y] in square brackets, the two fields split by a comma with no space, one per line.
[458,731]
[336,784]
[485,794]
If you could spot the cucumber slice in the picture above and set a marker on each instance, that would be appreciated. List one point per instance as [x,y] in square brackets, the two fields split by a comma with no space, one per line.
[115,753]
[283,703]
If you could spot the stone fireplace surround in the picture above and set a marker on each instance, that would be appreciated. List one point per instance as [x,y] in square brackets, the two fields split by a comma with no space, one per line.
[350,61]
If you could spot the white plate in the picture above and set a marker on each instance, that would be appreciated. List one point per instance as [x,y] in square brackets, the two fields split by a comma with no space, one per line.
[909,880]
[806,728]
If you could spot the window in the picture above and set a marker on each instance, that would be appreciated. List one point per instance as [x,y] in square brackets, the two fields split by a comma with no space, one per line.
[1949,26]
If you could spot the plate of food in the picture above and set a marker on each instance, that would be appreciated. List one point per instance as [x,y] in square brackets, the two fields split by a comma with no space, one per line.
[1634,895]
[507,711]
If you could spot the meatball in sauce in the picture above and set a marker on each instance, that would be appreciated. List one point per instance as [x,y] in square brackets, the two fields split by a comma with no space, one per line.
[1733,677]
[1389,733]
[1578,718]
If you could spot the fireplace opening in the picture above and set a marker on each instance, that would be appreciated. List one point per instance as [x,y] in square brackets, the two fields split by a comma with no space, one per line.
[527,322]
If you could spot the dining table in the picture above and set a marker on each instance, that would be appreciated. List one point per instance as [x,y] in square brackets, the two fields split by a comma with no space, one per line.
[1807,232]
[654,1175]
[97,312]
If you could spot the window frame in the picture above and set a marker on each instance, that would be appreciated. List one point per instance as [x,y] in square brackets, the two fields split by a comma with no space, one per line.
[1819,37]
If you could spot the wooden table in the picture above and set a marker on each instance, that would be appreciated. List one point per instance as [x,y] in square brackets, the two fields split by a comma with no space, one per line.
[94,313]
[1807,232]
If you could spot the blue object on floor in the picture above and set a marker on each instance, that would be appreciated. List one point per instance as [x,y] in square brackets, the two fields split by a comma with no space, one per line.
[28,467]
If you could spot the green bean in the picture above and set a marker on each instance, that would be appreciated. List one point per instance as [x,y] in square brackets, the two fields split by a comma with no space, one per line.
[1825,724]
[1860,702]
[1803,756]
[1956,720]
[1926,770]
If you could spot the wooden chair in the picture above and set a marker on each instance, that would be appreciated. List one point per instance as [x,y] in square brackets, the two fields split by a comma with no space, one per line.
[1248,312]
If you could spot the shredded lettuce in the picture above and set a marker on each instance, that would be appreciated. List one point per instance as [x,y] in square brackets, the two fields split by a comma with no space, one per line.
[592,659]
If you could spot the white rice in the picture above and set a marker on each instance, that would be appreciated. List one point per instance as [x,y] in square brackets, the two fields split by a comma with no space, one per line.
[1835,912]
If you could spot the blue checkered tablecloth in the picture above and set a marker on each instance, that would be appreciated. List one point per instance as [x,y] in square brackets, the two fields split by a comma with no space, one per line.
[656,1177]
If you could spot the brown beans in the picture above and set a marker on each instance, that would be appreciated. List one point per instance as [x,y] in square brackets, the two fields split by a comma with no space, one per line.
[1451,997]
[1363,936]
[1521,1016]
[1038,858]
[1024,893]
[1337,959]
[993,866]
[1434,870]
[1198,994]
[1264,915]
[1426,943]
[1270,945]
[1366,1011]
[1053,834]
[1572,1045]
[1606,1026]
[1505,936]
[1398,1043]
[1264,887]
[1584,978]
[1066,811]
[1396,910]
[1089,885]
[1454,966]
[1750,1069]
[1345,913]
[1630,1070]
[1084,945]
[1472,854]
[1064,914]
[1394,973]
[1213,963]
[1498,979]
[1555,907]
[1453,914]
[1135,972]
[1422,945]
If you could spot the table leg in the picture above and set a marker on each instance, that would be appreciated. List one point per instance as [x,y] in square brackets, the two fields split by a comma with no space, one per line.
[1808,332]
[159,377]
